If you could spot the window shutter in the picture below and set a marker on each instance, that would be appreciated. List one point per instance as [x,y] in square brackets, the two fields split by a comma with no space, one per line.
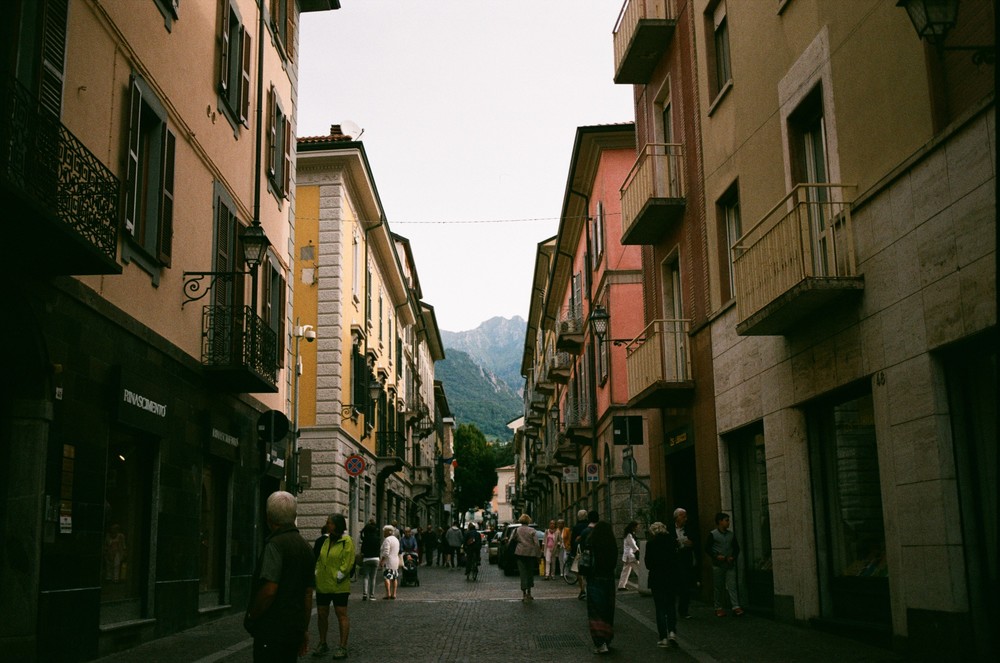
[359,380]
[244,103]
[279,326]
[53,56]
[166,226]
[223,241]
[224,49]
[272,133]
[132,165]
[287,162]
[290,29]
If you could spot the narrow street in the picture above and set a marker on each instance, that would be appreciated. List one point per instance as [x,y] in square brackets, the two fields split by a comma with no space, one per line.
[448,619]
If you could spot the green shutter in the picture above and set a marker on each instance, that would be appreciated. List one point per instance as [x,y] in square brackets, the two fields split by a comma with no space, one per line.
[132,165]
[165,230]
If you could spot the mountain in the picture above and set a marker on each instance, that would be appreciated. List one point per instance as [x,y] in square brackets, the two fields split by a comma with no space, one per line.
[482,374]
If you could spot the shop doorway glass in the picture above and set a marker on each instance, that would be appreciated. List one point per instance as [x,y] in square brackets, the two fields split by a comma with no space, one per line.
[127,527]
[214,534]
[752,516]
[847,494]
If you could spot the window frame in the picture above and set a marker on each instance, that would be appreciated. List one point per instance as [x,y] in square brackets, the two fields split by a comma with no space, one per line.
[718,52]
[148,186]
[283,26]
[234,67]
[727,203]
[279,146]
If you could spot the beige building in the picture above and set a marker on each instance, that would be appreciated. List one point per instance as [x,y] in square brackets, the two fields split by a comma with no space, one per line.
[368,420]
[855,362]
[148,175]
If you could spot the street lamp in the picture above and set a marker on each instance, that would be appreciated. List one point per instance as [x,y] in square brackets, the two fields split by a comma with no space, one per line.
[350,409]
[934,19]
[599,319]
[254,244]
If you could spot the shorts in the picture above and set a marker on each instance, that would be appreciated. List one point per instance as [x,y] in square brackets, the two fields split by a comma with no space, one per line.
[338,600]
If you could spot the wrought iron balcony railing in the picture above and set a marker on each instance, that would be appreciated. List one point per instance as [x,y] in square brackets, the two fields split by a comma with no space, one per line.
[795,260]
[240,349]
[653,195]
[63,198]
[390,444]
[659,364]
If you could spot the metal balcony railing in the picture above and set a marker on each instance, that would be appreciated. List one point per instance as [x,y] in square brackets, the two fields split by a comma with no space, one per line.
[631,47]
[805,236]
[391,443]
[577,413]
[659,354]
[43,162]
[657,174]
[237,340]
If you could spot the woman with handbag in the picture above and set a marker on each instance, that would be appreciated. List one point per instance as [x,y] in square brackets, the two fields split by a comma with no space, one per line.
[527,552]
[598,559]
[389,561]
[630,556]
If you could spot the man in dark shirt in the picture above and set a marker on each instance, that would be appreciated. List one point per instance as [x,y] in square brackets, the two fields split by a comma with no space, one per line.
[281,595]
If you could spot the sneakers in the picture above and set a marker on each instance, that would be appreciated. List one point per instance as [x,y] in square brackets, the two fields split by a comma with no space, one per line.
[340,652]
[321,650]
[582,595]
[603,649]
[672,639]
[663,643]
[738,612]
[720,613]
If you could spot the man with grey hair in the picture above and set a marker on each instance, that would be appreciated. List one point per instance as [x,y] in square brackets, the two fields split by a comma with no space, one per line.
[686,560]
[281,593]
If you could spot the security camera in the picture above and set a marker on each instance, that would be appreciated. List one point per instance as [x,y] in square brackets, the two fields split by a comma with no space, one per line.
[310,335]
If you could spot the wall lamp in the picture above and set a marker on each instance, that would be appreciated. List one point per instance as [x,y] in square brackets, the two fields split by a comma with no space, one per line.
[254,243]
[600,320]
[934,19]
[351,409]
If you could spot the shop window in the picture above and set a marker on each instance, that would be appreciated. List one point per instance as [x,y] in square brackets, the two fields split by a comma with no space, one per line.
[126,541]
[850,529]
[214,534]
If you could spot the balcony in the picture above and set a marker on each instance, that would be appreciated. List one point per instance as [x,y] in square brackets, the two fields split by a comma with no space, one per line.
[579,426]
[569,330]
[239,351]
[61,201]
[642,36]
[653,195]
[796,261]
[659,366]
[390,452]
[423,477]
[559,367]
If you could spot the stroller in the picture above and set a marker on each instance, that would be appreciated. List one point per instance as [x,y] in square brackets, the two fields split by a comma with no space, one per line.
[409,570]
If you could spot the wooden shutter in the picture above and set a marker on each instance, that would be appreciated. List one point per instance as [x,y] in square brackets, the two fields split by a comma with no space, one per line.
[50,82]
[272,133]
[287,160]
[290,29]
[132,165]
[359,380]
[224,51]
[166,226]
[223,244]
[244,102]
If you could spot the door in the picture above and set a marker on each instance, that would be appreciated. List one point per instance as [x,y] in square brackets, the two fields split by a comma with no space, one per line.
[752,515]
[673,336]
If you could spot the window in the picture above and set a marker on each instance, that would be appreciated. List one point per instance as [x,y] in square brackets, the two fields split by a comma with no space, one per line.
[234,66]
[675,359]
[356,267]
[381,314]
[279,147]
[149,180]
[283,25]
[228,253]
[730,230]
[40,49]
[169,10]
[720,68]
[809,165]
[597,251]
[368,295]
[274,302]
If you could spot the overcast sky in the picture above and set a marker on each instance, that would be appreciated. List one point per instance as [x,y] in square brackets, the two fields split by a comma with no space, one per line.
[469,110]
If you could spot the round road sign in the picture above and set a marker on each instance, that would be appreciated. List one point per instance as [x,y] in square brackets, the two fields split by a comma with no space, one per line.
[354,465]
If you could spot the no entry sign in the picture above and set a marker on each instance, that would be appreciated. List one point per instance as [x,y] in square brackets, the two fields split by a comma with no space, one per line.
[354,465]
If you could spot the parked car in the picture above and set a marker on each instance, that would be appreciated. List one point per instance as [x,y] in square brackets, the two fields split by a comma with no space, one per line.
[509,566]
[494,546]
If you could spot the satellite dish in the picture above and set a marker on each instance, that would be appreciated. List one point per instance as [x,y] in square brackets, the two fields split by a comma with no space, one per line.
[351,128]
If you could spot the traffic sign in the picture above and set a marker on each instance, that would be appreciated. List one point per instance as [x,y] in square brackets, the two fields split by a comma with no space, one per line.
[354,465]
[593,473]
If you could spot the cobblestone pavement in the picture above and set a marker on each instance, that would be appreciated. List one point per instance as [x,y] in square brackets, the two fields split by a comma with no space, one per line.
[448,619]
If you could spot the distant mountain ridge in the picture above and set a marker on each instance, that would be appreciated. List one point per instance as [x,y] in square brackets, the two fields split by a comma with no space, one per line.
[481,374]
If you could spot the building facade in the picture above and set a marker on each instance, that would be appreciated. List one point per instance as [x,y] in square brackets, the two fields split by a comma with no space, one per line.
[581,445]
[153,326]
[852,317]
[368,418]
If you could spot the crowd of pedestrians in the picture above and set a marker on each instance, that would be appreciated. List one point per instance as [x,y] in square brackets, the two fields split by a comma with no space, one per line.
[288,574]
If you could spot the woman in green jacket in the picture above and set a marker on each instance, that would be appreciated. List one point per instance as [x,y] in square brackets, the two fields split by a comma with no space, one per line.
[333,583]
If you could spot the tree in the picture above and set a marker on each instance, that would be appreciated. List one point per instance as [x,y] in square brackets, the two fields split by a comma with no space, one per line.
[475,475]
[503,454]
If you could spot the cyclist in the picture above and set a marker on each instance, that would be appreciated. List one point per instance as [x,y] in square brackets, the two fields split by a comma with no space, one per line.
[472,545]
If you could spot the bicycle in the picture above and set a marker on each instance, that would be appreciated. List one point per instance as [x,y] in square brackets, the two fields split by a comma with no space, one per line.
[472,560]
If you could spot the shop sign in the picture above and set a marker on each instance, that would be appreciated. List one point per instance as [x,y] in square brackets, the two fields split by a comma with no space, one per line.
[141,404]
[679,439]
